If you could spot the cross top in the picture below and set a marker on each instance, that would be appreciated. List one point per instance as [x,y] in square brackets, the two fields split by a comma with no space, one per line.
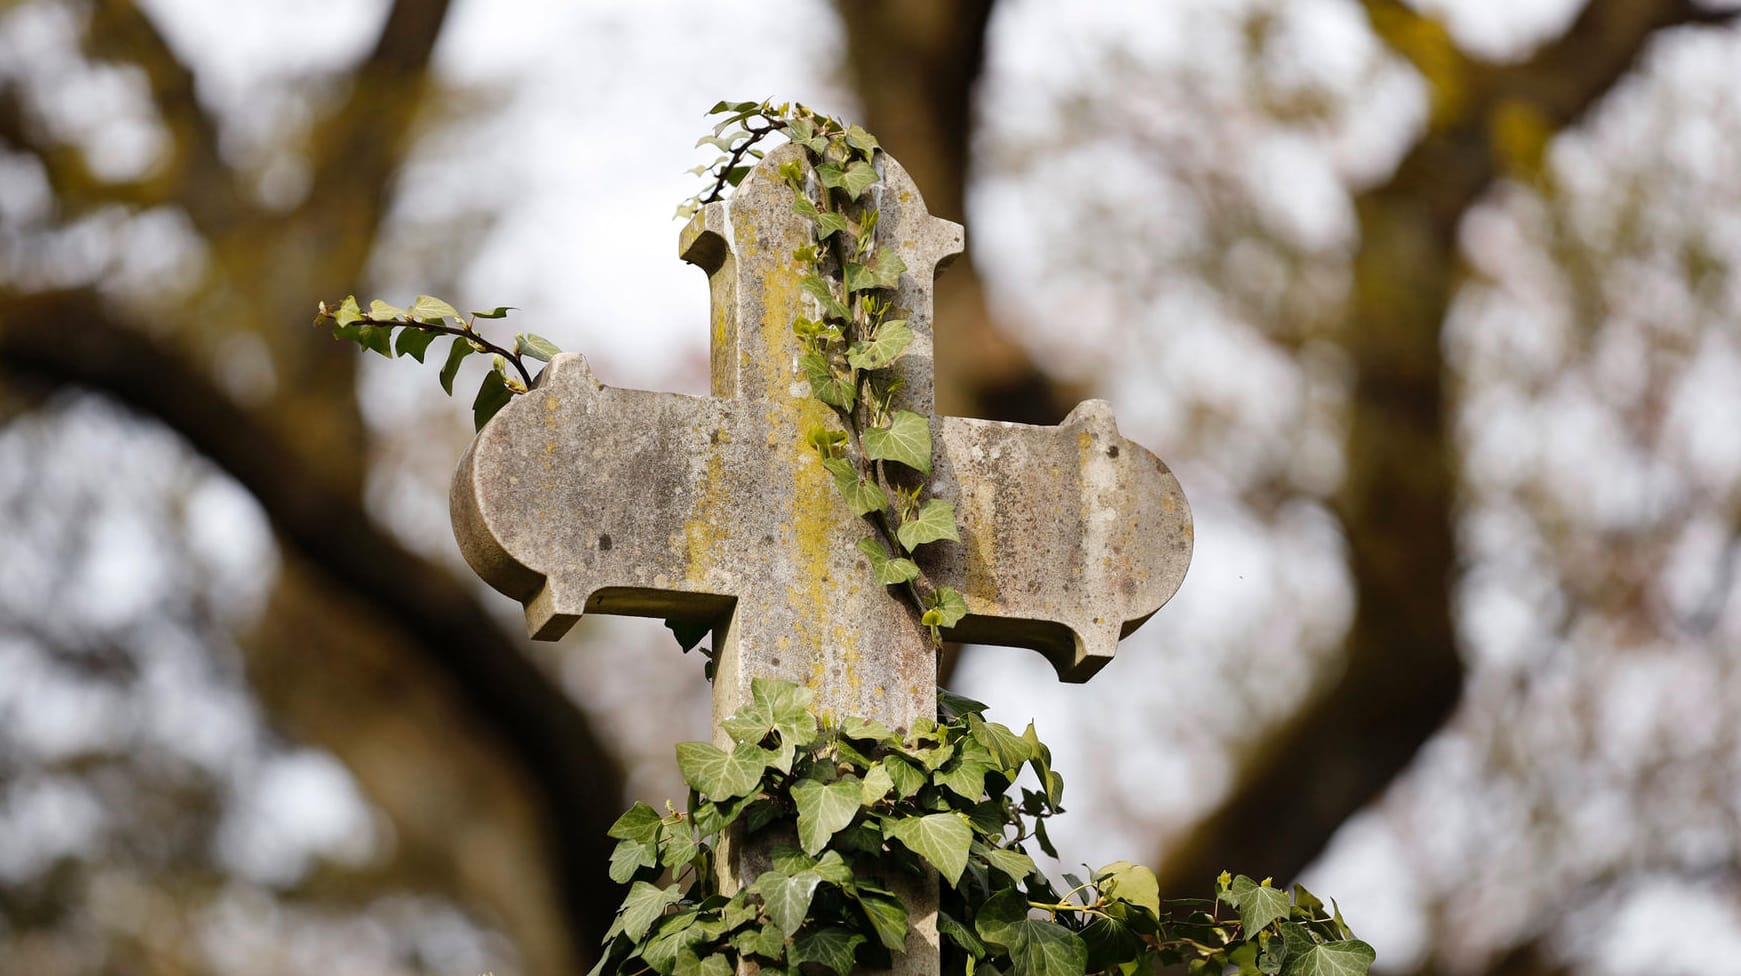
[582,498]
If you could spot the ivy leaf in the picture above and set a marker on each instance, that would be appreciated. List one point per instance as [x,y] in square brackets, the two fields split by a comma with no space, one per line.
[862,496]
[460,349]
[907,440]
[887,915]
[892,339]
[348,312]
[824,810]
[940,838]
[413,341]
[854,727]
[1348,958]
[535,346]
[493,395]
[1015,864]
[376,338]
[947,608]
[832,947]
[858,177]
[861,140]
[500,311]
[775,706]
[889,571]
[949,927]
[1136,884]
[816,288]
[829,224]
[787,897]
[427,309]
[965,778]
[644,905]
[1110,942]
[717,774]
[836,871]
[876,784]
[677,847]
[827,385]
[630,856]
[381,311]
[639,823]
[953,706]
[936,520]
[907,777]
[1008,749]
[1036,948]
[1258,904]
[884,271]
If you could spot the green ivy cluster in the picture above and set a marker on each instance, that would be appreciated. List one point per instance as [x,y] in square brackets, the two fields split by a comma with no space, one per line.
[880,456]
[427,319]
[849,808]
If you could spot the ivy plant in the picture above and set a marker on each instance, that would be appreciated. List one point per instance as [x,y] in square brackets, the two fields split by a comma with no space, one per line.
[851,809]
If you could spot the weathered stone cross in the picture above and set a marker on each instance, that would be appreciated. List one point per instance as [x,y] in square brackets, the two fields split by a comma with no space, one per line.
[580,498]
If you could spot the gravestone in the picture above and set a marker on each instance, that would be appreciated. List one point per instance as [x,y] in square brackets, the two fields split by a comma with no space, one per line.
[582,498]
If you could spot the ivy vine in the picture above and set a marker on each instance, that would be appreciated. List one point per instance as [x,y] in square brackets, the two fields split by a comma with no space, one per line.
[851,807]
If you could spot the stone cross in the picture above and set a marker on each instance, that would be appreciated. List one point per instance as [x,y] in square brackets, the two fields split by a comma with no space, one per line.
[581,498]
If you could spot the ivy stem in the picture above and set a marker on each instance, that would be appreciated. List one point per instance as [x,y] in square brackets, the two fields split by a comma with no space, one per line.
[467,332]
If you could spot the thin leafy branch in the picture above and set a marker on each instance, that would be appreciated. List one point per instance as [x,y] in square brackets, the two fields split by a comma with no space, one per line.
[425,320]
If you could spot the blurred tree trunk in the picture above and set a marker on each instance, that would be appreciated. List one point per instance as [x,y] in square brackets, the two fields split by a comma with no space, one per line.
[1402,675]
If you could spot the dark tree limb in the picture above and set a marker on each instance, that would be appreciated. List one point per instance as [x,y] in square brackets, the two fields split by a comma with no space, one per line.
[69,338]
[1402,676]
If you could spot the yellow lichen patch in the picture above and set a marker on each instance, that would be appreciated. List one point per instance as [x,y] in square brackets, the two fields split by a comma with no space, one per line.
[704,532]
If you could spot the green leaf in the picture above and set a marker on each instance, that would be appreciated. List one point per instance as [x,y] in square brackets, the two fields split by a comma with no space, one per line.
[775,706]
[1110,942]
[950,928]
[964,777]
[854,727]
[829,224]
[1136,884]
[736,174]
[630,856]
[858,177]
[832,947]
[889,571]
[413,341]
[1015,864]
[836,871]
[940,838]
[455,355]
[1038,948]
[376,338]
[535,346]
[427,309]
[888,916]
[493,395]
[936,520]
[947,608]
[500,311]
[817,288]
[381,311]
[952,706]
[884,271]
[908,778]
[907,440]
[861,140]
[677,847]
[715,964]
[717,774]
[827,385]
[639,823]
[348,312]
[876,785]
[787,897]
[644,905]
[892,339]
[1348,958]
[1258,904]
[862,496]
[824,810]
[1008,749]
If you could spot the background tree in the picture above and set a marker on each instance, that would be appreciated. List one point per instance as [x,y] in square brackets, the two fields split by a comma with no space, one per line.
[1439,320]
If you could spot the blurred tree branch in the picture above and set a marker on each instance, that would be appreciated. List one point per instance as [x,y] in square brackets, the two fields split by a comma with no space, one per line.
[69,338]
[1402,676]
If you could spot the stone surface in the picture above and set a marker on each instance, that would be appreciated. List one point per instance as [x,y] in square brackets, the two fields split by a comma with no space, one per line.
[581,498]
